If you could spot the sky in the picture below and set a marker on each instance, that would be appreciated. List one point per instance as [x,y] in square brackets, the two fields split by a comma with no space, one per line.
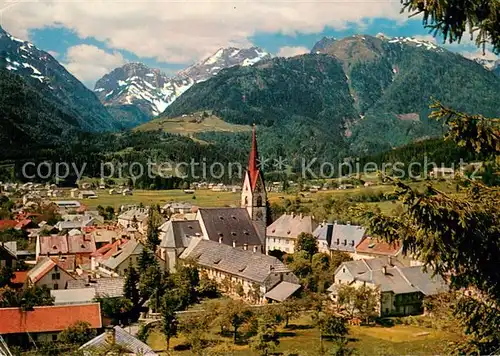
[92,37]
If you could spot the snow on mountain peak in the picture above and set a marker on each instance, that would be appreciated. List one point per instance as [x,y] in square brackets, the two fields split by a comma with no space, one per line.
[416,42]
[152,91]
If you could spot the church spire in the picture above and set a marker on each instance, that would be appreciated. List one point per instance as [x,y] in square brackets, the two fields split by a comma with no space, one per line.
[252,159]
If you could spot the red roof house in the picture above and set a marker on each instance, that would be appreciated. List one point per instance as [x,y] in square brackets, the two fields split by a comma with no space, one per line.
[48,319]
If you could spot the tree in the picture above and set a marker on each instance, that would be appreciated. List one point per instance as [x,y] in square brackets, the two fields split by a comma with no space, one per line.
[207,287]
[457,235]
[329,325]
[267,338]
[154,222]
[151,285]
[307,243]
[194,327]
[169,319]
[235,314]
[6,275]
[117,309]
[131,290]
[290,308]
[78,333]
[453,18]
[359,302]
[146,259]
[337,258]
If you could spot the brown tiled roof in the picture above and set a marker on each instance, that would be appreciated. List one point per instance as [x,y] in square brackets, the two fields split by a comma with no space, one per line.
[43,266]
[81,244]
[19,277]
[230,224]
[372,245]
[48,318]
[53,244]
[65,262]
[7,224]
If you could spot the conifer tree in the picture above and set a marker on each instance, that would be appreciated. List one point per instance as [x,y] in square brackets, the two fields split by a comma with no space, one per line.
[131,286]
[457,235]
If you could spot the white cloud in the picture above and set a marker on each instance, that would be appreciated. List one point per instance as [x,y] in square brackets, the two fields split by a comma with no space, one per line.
[184,32]
[290,51]
[89,63]
[53,53]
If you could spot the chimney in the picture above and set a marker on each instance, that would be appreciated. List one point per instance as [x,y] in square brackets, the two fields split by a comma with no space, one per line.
[348,223]
[384,270]
[234,243]
[389,260]
[329,234]
[220,240]
[300,216]
[110,335]
[255,249]
[245,247]
[271,268]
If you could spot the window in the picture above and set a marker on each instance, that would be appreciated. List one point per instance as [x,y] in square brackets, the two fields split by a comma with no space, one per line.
[56,276]
[56,286]
[259,201]
[54,337]
[343,270]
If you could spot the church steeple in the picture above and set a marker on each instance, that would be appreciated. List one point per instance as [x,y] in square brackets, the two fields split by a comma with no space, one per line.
[253,169]
[253,194]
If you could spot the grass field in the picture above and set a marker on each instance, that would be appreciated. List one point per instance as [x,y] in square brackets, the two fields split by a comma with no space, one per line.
[192,124]
[303,340]
[208,198]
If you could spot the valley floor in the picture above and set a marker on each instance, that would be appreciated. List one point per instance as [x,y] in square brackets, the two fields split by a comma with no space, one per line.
[302,339]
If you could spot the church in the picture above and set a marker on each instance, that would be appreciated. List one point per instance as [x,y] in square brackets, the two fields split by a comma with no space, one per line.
[242,228]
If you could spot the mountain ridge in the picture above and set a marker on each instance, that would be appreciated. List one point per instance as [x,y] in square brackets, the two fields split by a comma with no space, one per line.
[386,86]
[45,74]
[134,93]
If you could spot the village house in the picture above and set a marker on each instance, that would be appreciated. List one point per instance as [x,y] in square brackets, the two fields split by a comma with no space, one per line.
[261,277]
[67,204]
[113,338]
[109,287]
[126,255]
[80,246]
[442,172]
[74,192]
[44,323]
[87,194]
[339,237]
[175,237]
[77,221]
[48,273]
[282,234]
[177,208]
[372,247]
[105,235]
[8,254]
[402,289]
[136,218]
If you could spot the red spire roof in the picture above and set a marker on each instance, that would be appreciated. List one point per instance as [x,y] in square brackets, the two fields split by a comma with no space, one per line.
[253,170]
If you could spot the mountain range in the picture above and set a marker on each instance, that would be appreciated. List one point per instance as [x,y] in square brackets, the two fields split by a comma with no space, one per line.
[357,95]
[135,93]
[352,96]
